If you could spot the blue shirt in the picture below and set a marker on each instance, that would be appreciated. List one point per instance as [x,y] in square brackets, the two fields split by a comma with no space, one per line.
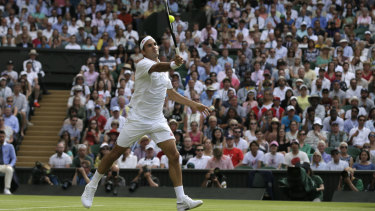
[9,154]
[286,121]
[322,20]
[208,102]
[349,124]
[82,181]
[12,122]
[364,167]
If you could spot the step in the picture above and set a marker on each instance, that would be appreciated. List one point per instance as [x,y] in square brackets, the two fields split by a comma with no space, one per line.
[50,118]
[34,153]
[25,164]
[46,122]
[38,148]
[51,142]
[38,137]
[61,113]
[48,127]
[51,108]
[41,133]
[33,158]
[53,105]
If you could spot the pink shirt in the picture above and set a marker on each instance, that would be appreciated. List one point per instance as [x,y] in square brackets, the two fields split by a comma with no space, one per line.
[90,78]
[224,163]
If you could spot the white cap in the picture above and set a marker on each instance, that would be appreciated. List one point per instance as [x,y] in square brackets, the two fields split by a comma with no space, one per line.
[293,98]
[104,145]
[303,23]
[303,86]
[115,108]
[318,121]
[368,32]
[299,80]
[150,146]
[289,108]
[343,40]
[127,72]
[339,69]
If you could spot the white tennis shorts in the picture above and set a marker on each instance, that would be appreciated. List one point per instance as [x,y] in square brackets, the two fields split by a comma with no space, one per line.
[133,130]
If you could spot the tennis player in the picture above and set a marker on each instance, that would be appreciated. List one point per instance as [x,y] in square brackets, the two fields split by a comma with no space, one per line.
[146,118]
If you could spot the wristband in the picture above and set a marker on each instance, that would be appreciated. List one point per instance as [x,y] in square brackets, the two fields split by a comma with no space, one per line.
[173,65]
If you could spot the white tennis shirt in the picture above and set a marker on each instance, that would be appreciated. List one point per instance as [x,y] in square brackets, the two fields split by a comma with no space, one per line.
[149,92]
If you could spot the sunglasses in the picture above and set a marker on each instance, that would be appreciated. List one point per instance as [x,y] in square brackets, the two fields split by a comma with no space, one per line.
[199,150]
[253,123]
[366,147]
[342,147]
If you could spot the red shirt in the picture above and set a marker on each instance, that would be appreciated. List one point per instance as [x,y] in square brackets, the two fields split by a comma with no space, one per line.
[126,18]
[235,154]
[101,120]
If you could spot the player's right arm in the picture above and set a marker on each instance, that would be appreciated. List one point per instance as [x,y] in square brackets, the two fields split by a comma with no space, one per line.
[166,66]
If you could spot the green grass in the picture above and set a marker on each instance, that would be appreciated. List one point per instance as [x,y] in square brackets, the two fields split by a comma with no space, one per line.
[63,203]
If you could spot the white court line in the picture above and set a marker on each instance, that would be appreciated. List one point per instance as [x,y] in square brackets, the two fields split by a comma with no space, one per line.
[30,208]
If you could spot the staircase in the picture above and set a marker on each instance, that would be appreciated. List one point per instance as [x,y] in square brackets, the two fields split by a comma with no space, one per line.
[40,139]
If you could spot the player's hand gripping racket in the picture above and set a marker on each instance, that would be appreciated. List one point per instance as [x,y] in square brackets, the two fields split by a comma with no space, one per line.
[170,19]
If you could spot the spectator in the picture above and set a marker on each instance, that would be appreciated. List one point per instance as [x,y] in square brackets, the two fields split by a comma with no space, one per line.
[7,161]
[145,164]
[11,120]
[32,78]
[92,133]
[364,162]
[81,157]
[359,135]
[286,120]
[36,67]
[60,159]
[273,158]
[253,157]
[336,164]
[140,151]
[127,160]
[219,161]
[72,128]
[199,161]
[321,148]
[83,174]
[115,116]
[187,151]
[317,162]
[291,158]
[315,135]
[348,182]
[344,154]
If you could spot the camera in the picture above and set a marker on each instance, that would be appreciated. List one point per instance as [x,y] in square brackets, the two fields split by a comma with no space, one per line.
[108,186]
[345,174]
[66,184]
[133,186]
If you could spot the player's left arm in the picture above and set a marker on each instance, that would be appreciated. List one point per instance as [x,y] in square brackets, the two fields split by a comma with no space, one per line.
[175,96]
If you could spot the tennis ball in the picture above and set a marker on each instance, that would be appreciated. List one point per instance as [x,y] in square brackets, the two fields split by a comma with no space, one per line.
[171,18]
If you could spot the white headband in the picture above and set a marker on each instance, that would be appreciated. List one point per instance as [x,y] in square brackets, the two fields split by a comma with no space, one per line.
[144,41]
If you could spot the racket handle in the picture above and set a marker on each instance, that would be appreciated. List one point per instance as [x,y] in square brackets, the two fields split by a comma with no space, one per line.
[177,51]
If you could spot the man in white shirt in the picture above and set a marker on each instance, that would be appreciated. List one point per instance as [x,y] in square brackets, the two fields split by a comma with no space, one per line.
[32,78]
[200,160]
[281,51]
[239,142]
[257,20]
[60,159]
[359,135]
[37,68]
[115,116]
[290,157]
[336,164]
[353,90]
[72,45]
[281,89]
[332,117]
[131,36]
[354,102]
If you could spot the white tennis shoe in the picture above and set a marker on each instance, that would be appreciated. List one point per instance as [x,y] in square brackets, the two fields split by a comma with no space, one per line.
[188,203]
[7,191]
[88,196]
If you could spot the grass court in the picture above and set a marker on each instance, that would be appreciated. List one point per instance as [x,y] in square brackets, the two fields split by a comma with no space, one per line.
[63,203]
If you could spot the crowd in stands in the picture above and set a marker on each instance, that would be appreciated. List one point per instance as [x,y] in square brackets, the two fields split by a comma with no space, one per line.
[287,81]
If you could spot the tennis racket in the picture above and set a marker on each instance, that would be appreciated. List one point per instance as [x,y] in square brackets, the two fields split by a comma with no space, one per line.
[167,13]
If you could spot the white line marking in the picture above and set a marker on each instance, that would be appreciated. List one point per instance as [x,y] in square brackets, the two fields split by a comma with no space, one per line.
[30,208]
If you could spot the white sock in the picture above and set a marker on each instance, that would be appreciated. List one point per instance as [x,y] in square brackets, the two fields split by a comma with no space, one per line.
[179,193]
[95,179]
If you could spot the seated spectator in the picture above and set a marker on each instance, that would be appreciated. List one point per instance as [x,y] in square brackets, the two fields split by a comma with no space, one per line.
[219,161]
[317,162]
[233,152]
[348,182]
[359,135]
[273,158]
[127,160]
[254,157]
[60,159]
[77,92]
[302,145]
[195,134]
[286,120]
[32,78]
[218,139]
[295,153]
[81,109]
[336,164]
[208,150]
[187,150]
[111,137]
[199,161]
[73,112]
[315,135]
[115,116]
[321,148]
[7,161]
[92,133]
[140,151]
[145,165]
[336,136]
[364,162]
[83,174]
[21,103]
[72,44]
[72,128]
[8,131]
[82,156]
[344,155]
